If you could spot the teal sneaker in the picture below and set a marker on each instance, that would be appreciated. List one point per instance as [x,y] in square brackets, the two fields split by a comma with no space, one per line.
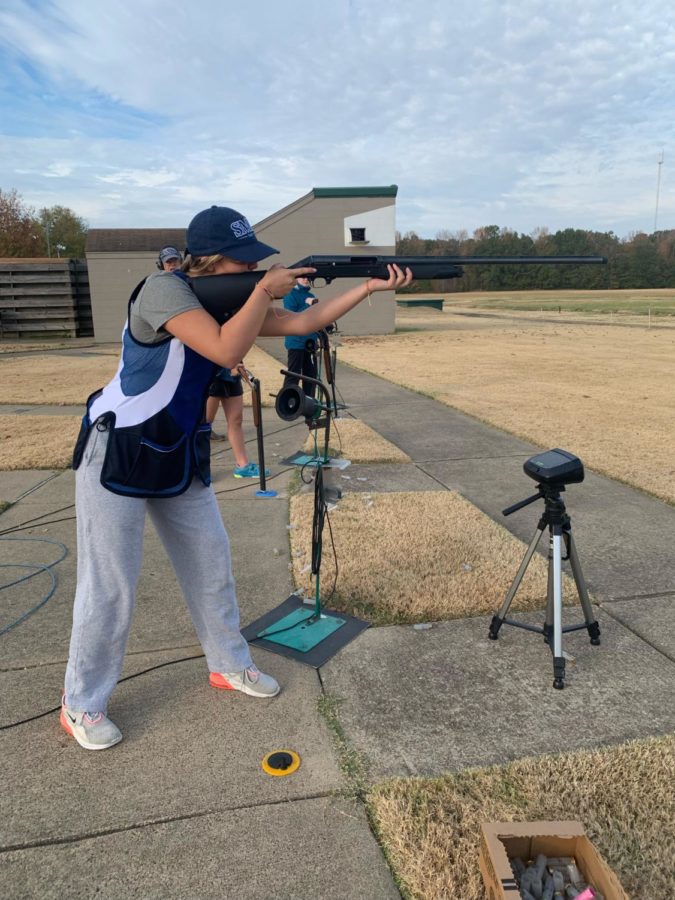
[250,470]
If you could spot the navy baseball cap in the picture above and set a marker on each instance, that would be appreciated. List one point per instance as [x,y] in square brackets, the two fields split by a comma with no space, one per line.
[225,231]
[169,253]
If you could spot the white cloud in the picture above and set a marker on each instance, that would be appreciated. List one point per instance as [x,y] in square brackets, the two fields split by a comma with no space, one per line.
[518,114]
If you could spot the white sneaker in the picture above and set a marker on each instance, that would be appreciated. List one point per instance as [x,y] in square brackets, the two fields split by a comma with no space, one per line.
[93,731]
[251,681]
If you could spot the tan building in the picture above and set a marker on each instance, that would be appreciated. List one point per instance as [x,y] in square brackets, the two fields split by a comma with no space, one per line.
[351,221]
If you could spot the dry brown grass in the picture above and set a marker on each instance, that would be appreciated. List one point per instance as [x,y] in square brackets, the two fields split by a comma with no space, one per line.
[54,379]
[37,442]
[358,442]
[28,346]
[604,393]
[430,827]
[415,557]
[64,380]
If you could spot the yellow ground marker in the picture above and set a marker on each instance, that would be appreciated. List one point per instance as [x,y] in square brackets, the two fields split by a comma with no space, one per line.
[281,762]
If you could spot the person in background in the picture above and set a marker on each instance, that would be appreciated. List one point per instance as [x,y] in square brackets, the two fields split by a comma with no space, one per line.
[226,389]
[301,347]
[169,259]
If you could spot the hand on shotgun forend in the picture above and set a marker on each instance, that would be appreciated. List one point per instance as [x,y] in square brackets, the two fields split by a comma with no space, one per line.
[396,279]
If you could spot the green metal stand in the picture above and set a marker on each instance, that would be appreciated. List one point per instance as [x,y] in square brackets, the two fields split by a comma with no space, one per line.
[297,631]
[301,630]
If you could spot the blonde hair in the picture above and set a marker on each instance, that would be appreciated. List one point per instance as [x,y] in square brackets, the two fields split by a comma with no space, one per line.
[194,266]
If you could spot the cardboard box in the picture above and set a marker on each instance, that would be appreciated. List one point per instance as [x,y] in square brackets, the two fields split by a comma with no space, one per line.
[502,841]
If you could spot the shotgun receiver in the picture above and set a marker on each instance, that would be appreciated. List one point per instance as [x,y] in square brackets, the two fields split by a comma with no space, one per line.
[223,295]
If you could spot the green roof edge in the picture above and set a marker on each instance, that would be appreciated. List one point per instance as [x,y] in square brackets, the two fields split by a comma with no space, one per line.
[386,191]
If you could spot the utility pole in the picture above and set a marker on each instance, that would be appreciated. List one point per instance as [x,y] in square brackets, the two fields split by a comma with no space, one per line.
[658,188]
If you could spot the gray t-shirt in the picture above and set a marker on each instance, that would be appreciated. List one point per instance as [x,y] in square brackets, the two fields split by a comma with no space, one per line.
[163,296]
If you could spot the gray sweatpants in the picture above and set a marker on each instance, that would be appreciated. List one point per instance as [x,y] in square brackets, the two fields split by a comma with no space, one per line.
[109,555]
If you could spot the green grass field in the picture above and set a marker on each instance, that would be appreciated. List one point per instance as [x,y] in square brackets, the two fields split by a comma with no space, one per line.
[661,301]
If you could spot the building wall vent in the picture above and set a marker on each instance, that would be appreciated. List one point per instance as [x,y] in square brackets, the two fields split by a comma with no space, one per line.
[358,235]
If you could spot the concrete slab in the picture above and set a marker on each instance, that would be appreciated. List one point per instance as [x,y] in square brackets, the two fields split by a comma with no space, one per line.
[427,702]
[188,750]
[49,491]
[651,618]
[314,849]
[35,690]
[14,485]
[44,636]
[256,528]
[384,478]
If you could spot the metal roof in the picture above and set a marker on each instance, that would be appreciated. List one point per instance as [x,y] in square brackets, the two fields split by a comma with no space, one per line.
[385,191]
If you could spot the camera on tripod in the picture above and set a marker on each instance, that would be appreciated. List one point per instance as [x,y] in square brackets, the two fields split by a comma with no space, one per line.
[555,468]
[552,470]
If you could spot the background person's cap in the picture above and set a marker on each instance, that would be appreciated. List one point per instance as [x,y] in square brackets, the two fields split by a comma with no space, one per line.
[169,253]
[225,231]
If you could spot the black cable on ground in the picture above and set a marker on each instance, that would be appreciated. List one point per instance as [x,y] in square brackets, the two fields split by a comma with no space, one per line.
[54,709]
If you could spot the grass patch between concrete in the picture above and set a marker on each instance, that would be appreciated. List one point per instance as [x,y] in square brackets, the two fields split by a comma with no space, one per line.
[430,827]
[354,440]
[37,442]
[413,557]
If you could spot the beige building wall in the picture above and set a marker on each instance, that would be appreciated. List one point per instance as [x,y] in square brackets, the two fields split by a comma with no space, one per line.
[320,225]
[112,278]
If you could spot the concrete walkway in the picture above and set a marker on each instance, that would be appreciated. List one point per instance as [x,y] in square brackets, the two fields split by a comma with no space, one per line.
[182,808]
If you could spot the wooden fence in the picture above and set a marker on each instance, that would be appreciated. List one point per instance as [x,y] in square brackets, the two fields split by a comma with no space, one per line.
[44,298]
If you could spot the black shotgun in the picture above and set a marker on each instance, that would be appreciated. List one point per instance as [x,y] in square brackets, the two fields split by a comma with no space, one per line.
[223,295]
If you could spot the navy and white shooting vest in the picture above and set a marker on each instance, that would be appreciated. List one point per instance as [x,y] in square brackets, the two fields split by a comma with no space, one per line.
[153,410]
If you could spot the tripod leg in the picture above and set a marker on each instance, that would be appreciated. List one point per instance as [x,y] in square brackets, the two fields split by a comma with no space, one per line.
[498,619]
[591,623]
[548,623]
[558,658]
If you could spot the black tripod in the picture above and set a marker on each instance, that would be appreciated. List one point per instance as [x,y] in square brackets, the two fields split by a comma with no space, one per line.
[560,531]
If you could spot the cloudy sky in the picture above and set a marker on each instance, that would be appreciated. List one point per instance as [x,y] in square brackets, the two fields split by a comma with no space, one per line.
[519,113]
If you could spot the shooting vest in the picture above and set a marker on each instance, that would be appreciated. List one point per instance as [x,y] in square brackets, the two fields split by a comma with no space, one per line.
[153,410]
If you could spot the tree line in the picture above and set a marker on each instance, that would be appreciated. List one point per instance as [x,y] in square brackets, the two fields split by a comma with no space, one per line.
[638,261]
[52,231]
